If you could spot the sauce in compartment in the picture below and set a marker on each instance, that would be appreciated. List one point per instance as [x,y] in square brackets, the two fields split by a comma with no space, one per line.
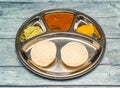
[30,32]
[59,21]
[88,30]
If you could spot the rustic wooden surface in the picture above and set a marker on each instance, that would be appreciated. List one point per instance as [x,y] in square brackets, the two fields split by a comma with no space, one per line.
[14,12]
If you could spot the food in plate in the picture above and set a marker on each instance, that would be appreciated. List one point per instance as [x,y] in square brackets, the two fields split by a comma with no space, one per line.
[88,30]
[43,53]
[59,21]
[29,32]
[74,54]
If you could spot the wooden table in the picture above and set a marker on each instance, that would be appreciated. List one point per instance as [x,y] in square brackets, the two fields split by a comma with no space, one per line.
[14,12]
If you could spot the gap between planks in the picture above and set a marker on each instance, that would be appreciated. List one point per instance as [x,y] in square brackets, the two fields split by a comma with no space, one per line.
[52,1]
[61,86]
[15,66]
[14,38]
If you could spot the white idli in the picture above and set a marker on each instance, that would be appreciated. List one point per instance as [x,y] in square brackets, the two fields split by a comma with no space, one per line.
[43,53]
[74,54]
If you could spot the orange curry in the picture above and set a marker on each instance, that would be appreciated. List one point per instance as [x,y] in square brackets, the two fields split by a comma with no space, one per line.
[59,21]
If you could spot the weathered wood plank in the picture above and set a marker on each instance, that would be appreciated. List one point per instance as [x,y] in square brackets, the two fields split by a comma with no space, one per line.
[8,56]
[80,86]
[12,15]
[102,75]
[25,10]
[9,27]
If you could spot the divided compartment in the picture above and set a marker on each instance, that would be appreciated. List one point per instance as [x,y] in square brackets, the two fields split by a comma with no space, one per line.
[31,29]
[60,39]
[84,25]
[59,21]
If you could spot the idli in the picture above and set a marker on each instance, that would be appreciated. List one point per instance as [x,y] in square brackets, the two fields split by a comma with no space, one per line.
[74,54]
[43,53]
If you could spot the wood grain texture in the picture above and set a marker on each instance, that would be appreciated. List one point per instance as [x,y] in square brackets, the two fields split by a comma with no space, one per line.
[25,9]
[102,75]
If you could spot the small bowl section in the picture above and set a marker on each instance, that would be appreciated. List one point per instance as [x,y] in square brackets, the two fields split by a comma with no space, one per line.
[31,29]
[84,26]
[59,21]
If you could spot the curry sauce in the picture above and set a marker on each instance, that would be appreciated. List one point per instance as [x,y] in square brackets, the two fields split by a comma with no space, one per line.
[59,21]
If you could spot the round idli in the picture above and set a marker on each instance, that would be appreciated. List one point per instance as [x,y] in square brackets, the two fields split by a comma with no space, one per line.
[74,54]
[43,53]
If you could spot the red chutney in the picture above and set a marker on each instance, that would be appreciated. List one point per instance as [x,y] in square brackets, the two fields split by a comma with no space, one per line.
[59,21]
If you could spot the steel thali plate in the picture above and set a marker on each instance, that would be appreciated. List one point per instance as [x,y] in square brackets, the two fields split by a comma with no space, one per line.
[57,70]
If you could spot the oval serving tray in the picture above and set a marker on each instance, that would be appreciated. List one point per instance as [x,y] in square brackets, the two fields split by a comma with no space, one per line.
[57,70]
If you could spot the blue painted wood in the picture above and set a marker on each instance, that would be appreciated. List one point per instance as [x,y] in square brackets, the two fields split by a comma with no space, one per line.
[25,10]
[102,75]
